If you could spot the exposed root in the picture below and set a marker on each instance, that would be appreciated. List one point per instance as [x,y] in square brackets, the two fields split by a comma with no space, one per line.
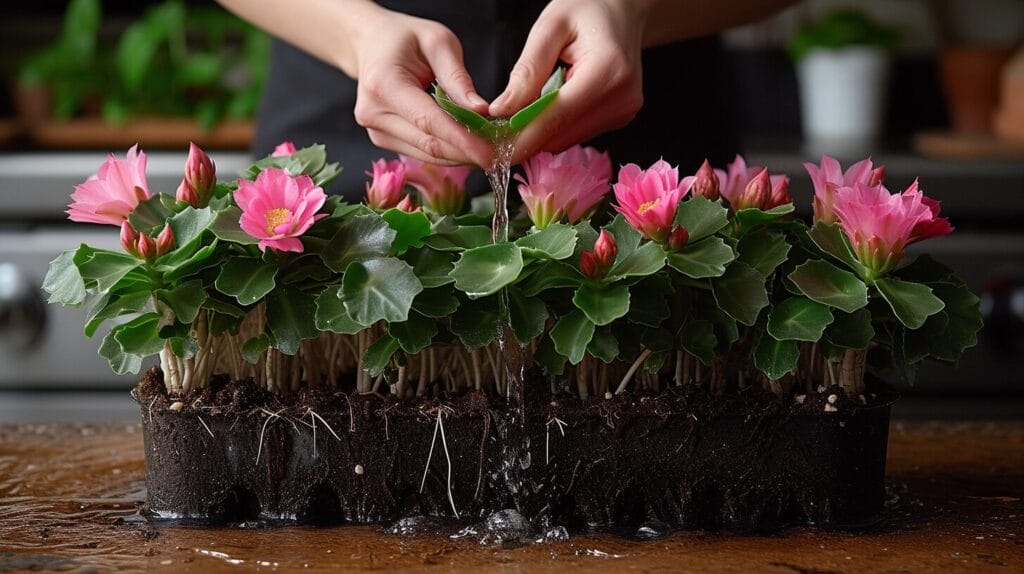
[632,369]
[205,426]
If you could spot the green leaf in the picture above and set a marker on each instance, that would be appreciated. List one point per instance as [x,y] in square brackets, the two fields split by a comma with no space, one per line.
[189,224]
[291,318]
[410,228]
[523,117]
[437,302]
[115,307]
[798,319]
[477,323]
[556,241]
[571,335]
[763,250]
[150,214]
[602,305]
[603,346]
[912,303]
[651,309]
[740,292]
[627,239]
[450,236]
[482,271]
[775,358]
[701,217]
[705,258]
[415,334]
[331,314]
[247,279]
[63,281]
[226,227]
[106,268]
[726,329]
[527,315]
[379,290]
[698,339]
[223,307]
[825,283]
[120,362]
[851,330]
[752,217]
[549,359]
[175,269]
[431,266]
[829,237]
[140,336]
[185,299]
[947,340]
[550,275]
[254,348]
[359,238]
[648,259]
[377,355]
[468,118]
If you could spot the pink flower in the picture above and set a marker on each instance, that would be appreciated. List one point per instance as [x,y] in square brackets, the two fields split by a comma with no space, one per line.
[595,264]
[829,177]
[278,207]
[442,188]
[129,239]
[704,182]
[385,191]
[408,205]
[113,192]
[283,149]
[735,186]
[200,176]
[569,184]
[165,241]
[880,225]
[648,199]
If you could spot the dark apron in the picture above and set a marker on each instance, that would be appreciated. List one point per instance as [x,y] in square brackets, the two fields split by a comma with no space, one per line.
[687,94]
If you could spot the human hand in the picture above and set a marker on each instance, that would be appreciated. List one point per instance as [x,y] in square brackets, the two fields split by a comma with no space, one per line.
[601,40]
[395,63]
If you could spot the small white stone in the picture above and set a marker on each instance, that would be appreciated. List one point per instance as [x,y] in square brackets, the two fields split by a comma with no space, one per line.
[831,409]
[608,396]
[842,424]
[360,469]
[821,388]
[863,399]
[800,399]
[832,399]
[176,406]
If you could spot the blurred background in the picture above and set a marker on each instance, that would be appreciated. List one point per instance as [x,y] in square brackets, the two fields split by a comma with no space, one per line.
[933,89]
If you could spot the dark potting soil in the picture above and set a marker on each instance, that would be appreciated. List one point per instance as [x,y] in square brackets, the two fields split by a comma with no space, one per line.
[640,464]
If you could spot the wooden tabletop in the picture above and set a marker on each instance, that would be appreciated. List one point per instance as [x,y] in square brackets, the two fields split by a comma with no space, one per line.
[69,497]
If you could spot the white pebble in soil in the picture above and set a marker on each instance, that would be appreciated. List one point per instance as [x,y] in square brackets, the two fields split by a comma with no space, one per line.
[359,469]
[176,406]
[832,399]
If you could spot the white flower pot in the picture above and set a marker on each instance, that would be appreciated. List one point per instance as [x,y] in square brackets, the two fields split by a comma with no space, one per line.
[842,99]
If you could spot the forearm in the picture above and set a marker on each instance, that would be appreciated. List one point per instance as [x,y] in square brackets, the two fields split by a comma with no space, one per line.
[668,21]
[327,29]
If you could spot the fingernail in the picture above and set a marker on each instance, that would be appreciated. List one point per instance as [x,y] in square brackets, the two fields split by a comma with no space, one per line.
[475,99]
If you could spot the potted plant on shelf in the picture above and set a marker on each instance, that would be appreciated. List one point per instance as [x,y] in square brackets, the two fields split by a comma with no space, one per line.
[842,64]
[174,74]
[701,359]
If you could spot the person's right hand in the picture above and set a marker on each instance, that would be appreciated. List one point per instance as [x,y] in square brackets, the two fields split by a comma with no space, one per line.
[398,56]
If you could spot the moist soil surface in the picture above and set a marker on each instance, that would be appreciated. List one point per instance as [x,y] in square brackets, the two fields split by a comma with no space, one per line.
[639,465]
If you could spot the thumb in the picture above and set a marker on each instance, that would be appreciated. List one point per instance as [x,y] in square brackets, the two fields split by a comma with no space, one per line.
[540,54]
[450,72]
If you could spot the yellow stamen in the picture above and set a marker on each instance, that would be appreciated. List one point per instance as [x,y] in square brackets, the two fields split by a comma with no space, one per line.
[647,206]
[276,217]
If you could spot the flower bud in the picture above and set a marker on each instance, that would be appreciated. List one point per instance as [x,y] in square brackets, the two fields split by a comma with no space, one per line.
[145,247]
[129,239]
[605,251]
[757,193]
[283,149]
[385,190]
[200,173]
[877,176]
[407,204]
[165,241]
[678,238]
[588,265]
[705,183]
[187,193]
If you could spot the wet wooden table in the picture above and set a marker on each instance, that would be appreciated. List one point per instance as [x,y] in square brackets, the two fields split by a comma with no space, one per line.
[69,497]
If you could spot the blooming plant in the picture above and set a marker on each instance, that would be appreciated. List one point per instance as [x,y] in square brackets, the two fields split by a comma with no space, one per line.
[706,280]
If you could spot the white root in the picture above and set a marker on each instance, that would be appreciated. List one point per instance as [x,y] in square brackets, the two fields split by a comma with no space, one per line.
[632,369]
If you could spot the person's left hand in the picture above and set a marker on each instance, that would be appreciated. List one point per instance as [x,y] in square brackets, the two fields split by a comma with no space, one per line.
[601,40]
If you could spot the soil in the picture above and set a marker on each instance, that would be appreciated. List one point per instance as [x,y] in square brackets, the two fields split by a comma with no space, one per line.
[640,465]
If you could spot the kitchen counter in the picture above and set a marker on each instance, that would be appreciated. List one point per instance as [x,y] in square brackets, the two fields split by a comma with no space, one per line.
[69,495]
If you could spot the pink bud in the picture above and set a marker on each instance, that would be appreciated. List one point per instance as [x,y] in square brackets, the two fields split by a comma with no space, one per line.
[187,193]
[407,204]
[605,251]
[678,238]
[165,241]
[145,247]
[757,193]
[129,239]
[200,173]
[588,265]
[877,176]
[705,182]
[283,149]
